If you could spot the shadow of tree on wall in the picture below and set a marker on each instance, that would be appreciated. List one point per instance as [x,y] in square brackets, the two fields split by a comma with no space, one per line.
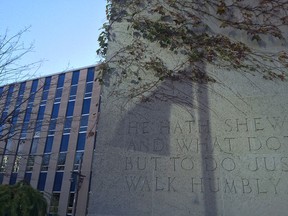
[129,160]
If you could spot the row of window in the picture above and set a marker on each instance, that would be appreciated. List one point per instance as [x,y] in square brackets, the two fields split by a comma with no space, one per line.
[61,160]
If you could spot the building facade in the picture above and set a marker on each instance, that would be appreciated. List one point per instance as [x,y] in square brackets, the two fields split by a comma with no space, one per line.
[48,133]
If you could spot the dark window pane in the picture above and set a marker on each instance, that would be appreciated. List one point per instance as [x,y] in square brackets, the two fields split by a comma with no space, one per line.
[84,121]
[75,77]
[68,122]
[70,108]
[49,143]
[81,141]
[34,86]
[42,181]
[55,199]
[9,95]
[28,114]
[24,130]
[64,142]
[58,181]
[47,83]
[55,111]
[58,93]
[45,95]
[89,87]
[52,126]
[86,106]
[31,160]
[41,113]
[38,127]
[46,159]
[1,90]
[27,177]
[62,159]
[13,178]
[71,200]
[60,82]
[10,90]
[73,90]
[22,88]
[78,157]
[34,145]
[90,74]
[73,181]
[1,177]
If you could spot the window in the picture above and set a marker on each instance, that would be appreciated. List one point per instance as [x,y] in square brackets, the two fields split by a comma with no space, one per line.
[47,83]
[88,90]
[81,141]
[52,127]
[42,181]
[41,113]
[60,82]
[38,127]
[84,123]
[78,158]
[73,181]
[1,174]
[73,92]
[16,164]
[49,143]
[13,178]
[31,99]
[58,181]
[55,110]
[24,130]
[22,88]
[58,93]
[1,91]
[45,162]
[75,78]
[4,115]
[61,161]
[4,163]
[64,142]
[28,114]
[9,146]
[44,96]
[34,146]
[9,96]
[70,108]
[20,95]
[90,74]
[30,163]
[70,203]
[27,177]
[54,203]
[34,86]
[68,122]
[86,106]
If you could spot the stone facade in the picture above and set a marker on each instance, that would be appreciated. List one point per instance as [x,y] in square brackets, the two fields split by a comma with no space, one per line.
[187,148]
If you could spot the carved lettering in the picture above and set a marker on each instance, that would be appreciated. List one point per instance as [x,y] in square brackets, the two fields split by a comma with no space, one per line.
[195,183]
[228,164]
[232,188]
[277,122]
[246,188]
[259,191]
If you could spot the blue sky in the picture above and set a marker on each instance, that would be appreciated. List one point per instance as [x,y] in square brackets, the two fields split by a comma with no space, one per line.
[64,32]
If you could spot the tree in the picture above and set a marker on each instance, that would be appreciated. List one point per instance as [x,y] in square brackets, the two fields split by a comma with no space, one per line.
[12,50]
[231,35]
[21,199]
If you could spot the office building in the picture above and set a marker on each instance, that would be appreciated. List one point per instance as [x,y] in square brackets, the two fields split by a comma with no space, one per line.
[48,132]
